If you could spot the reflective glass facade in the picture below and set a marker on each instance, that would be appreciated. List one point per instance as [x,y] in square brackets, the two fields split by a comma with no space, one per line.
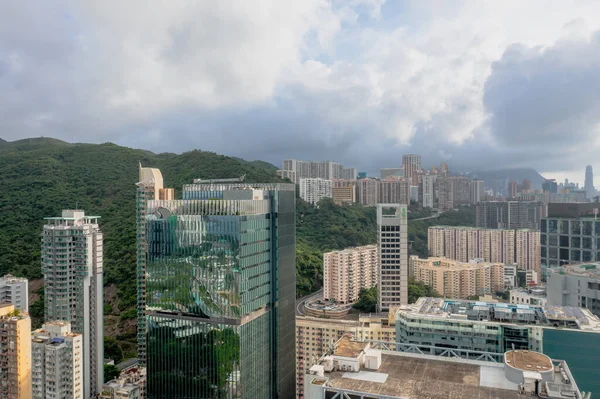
[219,294]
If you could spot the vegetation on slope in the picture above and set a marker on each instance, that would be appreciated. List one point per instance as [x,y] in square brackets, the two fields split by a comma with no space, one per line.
[367,298]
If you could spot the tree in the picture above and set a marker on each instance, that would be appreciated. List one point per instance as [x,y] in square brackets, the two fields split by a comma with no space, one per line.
[112,350]
[367,300]
[110,372]
[417,289]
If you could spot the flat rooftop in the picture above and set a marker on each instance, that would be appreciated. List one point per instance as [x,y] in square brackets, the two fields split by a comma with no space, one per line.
[528,360]
[424,377]
[589,269]
[348,348]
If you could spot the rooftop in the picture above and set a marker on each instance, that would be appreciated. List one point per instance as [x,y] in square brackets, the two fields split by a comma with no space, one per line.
[348,348]
[486,312]
[591,270]
[528,360]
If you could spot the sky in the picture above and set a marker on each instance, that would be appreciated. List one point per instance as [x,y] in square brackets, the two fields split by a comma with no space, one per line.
[479,84]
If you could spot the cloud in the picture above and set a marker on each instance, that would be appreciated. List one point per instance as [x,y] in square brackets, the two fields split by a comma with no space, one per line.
[359,81]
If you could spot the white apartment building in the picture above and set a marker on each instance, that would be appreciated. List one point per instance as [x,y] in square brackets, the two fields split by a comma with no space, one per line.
[392,242]
[510,276]
[428,190]
[477,191]
[14,290]
[57,362]
[72,265]
[458,280]
[346,272]
[314,190]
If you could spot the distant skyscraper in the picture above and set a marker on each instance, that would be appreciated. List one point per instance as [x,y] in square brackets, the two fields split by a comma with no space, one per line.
[367,191]
[589,182]
[393,191]
[15,353]
[550,186]
[411,163]
[295,170]
[72,265]
[392,244]
[477,191]
[427,190]
[509,214]
[218,287]
[512,189]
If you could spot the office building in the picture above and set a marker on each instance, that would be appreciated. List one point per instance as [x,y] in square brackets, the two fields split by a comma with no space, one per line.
[393,191]
[550,186]
[14,290]
[570,234]
[534,296]
[367,191]
[72,265]
[346,272]
[392,243]
[477,191]
[57,362]
[575,285]
[486,330]
[15,353]
[427,190]
[509,214]
[358,369]
[314,190]
[588,186]
[411,164]
[520,247]
[315,170]
[453,279]
[129,385]
[315,336]
[219,290]
[395,172]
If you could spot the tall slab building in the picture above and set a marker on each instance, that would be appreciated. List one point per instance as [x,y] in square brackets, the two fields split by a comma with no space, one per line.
[216,274]
[72,265]
[392,242]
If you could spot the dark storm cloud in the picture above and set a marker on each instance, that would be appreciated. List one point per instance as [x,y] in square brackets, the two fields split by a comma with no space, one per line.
[545,98]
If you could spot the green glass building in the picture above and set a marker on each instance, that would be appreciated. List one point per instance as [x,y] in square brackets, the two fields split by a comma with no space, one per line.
[216,277]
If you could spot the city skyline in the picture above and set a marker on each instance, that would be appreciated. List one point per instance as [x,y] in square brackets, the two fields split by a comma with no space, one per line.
[279,76]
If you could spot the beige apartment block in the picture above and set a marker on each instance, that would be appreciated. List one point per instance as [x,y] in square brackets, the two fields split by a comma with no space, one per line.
[15,353]
[458,280]
[507,246]
[315,336]
[346,272]
[344,193]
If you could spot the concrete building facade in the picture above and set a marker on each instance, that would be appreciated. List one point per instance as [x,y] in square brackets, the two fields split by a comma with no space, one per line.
[367,191]
[346,272]
[392,242]
[57,362]
[129,385]
[72,264]
[344,191]
[509,214]
[393,191]
[15,353]
[313,190]
[575,285]
[520,247]
[411,164]
[315,170]
[458,280]
[14,290]
[427,190]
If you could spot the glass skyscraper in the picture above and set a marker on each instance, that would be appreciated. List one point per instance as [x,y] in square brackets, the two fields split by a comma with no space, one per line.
[216,274]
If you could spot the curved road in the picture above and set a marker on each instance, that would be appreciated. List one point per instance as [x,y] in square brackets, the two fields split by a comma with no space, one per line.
[300,301]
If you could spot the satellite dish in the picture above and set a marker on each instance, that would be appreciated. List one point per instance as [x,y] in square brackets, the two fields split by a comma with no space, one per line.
[162,213]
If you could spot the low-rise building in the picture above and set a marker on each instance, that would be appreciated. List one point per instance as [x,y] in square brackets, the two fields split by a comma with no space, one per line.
[15,353]
[129,385]
[57,362]
[575,285]
[357,369]
[438,325]
[346,272]
[453,279]
[534,296]
[315,336]
[510,276]
[14,290]
[344,195]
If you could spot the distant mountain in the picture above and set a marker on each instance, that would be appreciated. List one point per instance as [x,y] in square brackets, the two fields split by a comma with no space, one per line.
[494,178]
[2,141]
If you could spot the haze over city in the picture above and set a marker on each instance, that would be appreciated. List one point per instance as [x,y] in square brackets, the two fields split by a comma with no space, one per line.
[483,85]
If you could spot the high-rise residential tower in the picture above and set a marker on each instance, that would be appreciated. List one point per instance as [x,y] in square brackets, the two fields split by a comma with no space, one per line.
[392,242]
[217,283]
[72,265]
[589,182]
[411,163]
[348,271]
[14,290]
[57,362]
[314,190]
[15,353]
